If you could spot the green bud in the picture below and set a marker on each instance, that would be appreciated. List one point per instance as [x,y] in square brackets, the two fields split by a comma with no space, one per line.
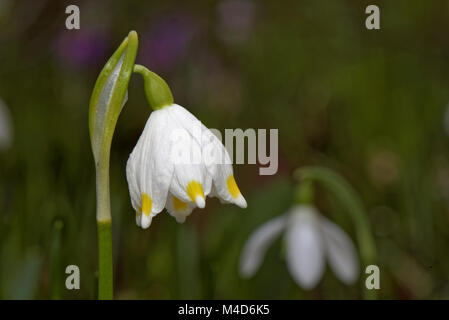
[156,89]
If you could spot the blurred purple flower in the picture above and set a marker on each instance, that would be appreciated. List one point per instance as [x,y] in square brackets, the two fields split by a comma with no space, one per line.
[167,41]
[81,48]
[236,20]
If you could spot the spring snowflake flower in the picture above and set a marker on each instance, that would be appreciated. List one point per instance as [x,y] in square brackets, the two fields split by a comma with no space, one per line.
[310,239]
[176,163]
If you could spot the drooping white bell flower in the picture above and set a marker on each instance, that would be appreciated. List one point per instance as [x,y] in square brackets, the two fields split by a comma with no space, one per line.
[310,240]
[177,162]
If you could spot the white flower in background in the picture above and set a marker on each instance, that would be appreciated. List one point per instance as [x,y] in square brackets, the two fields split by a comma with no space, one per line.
[176,163]
[5,127]
[310,240]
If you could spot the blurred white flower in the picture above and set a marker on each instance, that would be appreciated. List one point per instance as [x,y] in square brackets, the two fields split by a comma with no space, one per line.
[310,239]
[5,126]
[176,163]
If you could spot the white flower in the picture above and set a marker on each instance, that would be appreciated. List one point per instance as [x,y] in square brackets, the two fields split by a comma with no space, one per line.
[310,239]
[5,127]
[176,163]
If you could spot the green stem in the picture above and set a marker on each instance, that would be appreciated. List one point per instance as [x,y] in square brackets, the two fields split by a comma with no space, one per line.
[105,277]
[56,260]
[105,261]
[304,193]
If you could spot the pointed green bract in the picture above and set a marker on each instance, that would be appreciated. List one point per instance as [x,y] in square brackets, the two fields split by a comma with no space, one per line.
[99,84]
[109,94]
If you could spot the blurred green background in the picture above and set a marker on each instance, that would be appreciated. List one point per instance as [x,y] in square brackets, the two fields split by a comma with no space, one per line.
[368,104]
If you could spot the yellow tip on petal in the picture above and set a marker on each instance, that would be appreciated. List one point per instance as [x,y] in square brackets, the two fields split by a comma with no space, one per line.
[179,205]
[196,193]
[146,204]
[232,187]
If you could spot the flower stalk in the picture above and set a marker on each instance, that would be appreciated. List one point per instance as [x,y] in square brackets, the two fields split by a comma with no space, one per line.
[105,266]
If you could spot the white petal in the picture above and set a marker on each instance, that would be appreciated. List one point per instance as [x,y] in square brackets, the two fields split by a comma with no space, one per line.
[146,221]
[133,185]
[214,156]
[258,243]
[305,248]
[157,169]
[218,164]
[5,126]
[186,157]
[179,210]
[185,176]
[148,169]
[341,252]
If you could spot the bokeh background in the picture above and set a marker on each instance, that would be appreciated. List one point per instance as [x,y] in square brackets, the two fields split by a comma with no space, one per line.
[370,105]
